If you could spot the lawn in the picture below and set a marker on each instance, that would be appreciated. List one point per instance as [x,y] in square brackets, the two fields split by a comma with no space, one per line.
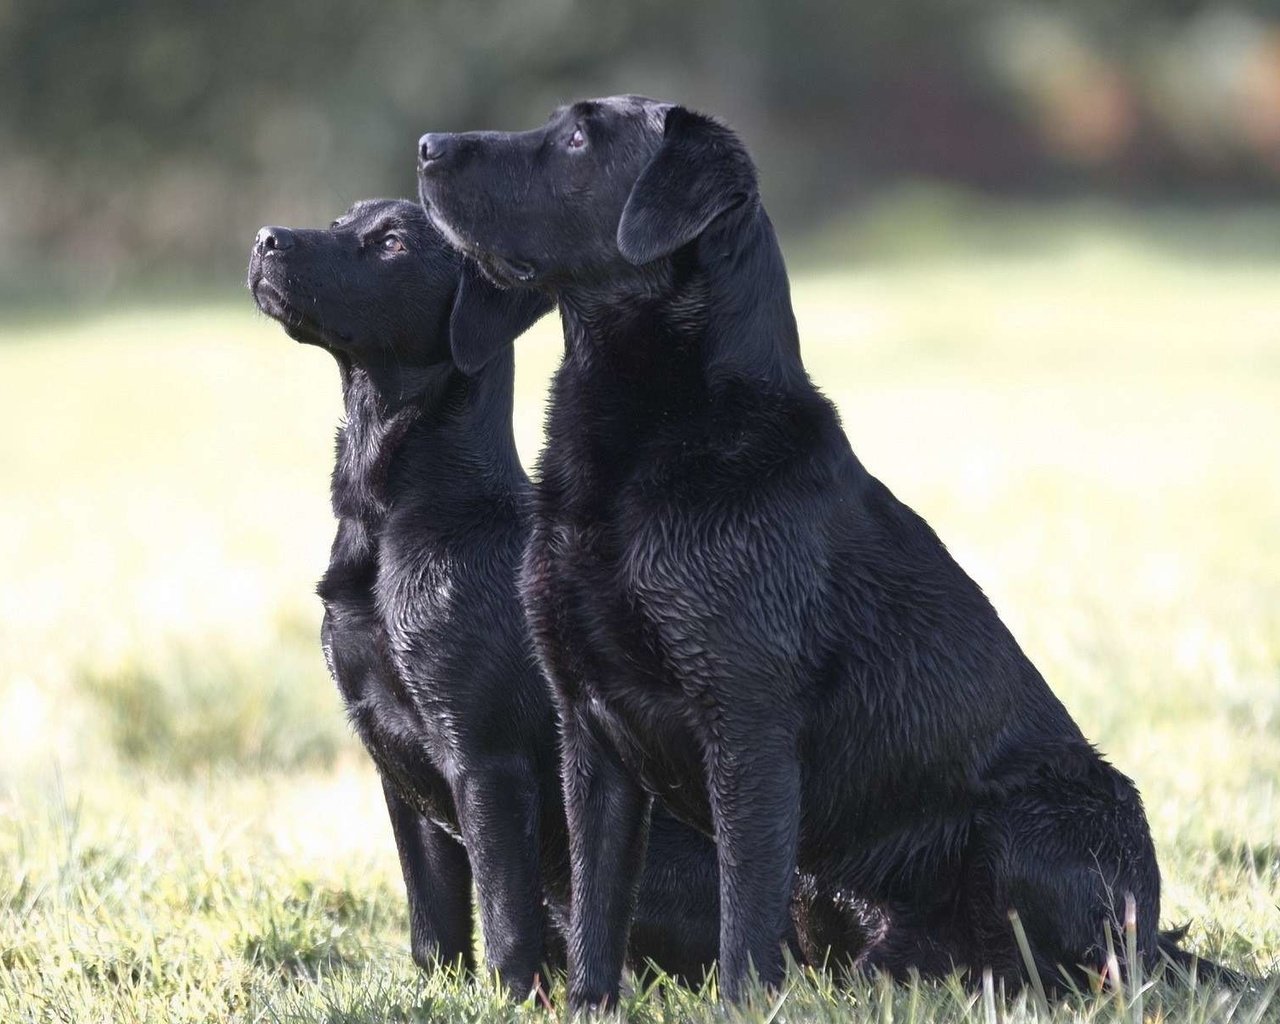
[188,832]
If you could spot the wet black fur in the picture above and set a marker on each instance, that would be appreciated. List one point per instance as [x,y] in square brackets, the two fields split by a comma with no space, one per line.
[423,629]
[741,620]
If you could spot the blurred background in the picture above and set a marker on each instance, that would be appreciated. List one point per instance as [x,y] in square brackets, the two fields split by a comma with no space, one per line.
[1035,251]
[142,140]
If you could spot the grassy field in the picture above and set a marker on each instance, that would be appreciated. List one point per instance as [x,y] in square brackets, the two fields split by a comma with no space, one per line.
[188,832]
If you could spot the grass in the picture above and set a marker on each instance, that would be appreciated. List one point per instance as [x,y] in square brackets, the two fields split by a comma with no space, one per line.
[189,833]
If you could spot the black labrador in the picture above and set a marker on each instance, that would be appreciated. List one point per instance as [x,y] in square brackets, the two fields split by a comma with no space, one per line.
[739,619]
[423,629]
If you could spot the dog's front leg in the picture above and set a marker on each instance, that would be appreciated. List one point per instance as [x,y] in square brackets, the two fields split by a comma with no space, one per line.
[608,816]
[498,810]
[755,808]
[437,880]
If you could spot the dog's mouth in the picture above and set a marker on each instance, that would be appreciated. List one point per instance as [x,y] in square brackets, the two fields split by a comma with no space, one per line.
[502,271]
[269,298]
[274,301]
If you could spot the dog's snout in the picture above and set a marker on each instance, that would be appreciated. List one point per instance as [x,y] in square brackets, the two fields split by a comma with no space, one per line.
[433,146]
[273,239]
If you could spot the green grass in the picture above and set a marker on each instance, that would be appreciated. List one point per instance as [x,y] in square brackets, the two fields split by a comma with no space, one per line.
[189,833]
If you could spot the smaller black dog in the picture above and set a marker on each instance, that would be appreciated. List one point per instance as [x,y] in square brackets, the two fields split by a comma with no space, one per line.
[423,629]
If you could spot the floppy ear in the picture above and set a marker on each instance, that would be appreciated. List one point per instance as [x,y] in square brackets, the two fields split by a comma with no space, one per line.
[486,318]
[700,171]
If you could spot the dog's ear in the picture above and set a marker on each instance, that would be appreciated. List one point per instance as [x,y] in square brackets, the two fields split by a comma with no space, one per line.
[485,318]
[700,171]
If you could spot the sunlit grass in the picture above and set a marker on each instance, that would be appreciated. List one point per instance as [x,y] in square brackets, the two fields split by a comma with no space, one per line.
[187,832]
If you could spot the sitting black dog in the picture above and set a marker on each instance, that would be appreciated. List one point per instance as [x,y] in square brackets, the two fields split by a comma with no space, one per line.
[739,619]
[423,629]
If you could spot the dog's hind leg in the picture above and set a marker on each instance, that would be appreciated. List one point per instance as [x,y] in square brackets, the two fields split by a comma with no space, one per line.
[437,880]
[847,934]
[907,945]
[1067,852]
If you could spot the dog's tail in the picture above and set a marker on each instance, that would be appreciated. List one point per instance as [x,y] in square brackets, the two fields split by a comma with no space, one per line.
[1204,971]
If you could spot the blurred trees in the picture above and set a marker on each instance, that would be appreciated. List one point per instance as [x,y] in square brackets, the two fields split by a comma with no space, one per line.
[140,136]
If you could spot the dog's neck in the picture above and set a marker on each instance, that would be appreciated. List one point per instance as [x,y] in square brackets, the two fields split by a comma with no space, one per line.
[721,307]
[449,431]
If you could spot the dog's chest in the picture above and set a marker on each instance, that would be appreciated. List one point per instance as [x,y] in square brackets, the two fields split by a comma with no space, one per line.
[380,706]
[389,708]
[659,580]
[667,565]
[416,595]
[618,620]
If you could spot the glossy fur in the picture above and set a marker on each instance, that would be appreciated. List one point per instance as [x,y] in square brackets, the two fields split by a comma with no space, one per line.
[423,629]
[739,619]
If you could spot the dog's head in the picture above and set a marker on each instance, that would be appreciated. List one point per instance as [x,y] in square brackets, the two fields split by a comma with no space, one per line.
[604,187]
[380,284]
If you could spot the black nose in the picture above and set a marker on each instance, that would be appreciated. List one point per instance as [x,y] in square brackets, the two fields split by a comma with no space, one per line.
[433,146]
[272,239]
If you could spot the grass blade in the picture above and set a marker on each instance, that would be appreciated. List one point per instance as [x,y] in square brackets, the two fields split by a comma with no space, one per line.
[1024,947]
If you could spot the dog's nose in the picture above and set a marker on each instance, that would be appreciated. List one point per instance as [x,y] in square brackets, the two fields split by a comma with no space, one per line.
[433,146]
[272,239]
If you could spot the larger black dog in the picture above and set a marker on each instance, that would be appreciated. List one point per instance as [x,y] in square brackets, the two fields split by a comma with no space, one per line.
[738,617]
[423,629]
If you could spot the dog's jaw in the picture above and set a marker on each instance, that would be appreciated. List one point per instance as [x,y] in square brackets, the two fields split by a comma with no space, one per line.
[502,271]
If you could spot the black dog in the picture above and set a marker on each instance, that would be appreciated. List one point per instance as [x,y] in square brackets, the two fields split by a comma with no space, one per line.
[423,629]
[740,619]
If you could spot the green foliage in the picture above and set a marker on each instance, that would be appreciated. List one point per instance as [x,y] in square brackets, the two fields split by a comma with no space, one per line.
[314,931]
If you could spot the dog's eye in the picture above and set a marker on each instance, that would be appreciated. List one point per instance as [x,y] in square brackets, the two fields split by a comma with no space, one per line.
[392,244]
[577,140]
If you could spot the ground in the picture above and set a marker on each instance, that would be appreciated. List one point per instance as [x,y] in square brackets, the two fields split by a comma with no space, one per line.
[188,832]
